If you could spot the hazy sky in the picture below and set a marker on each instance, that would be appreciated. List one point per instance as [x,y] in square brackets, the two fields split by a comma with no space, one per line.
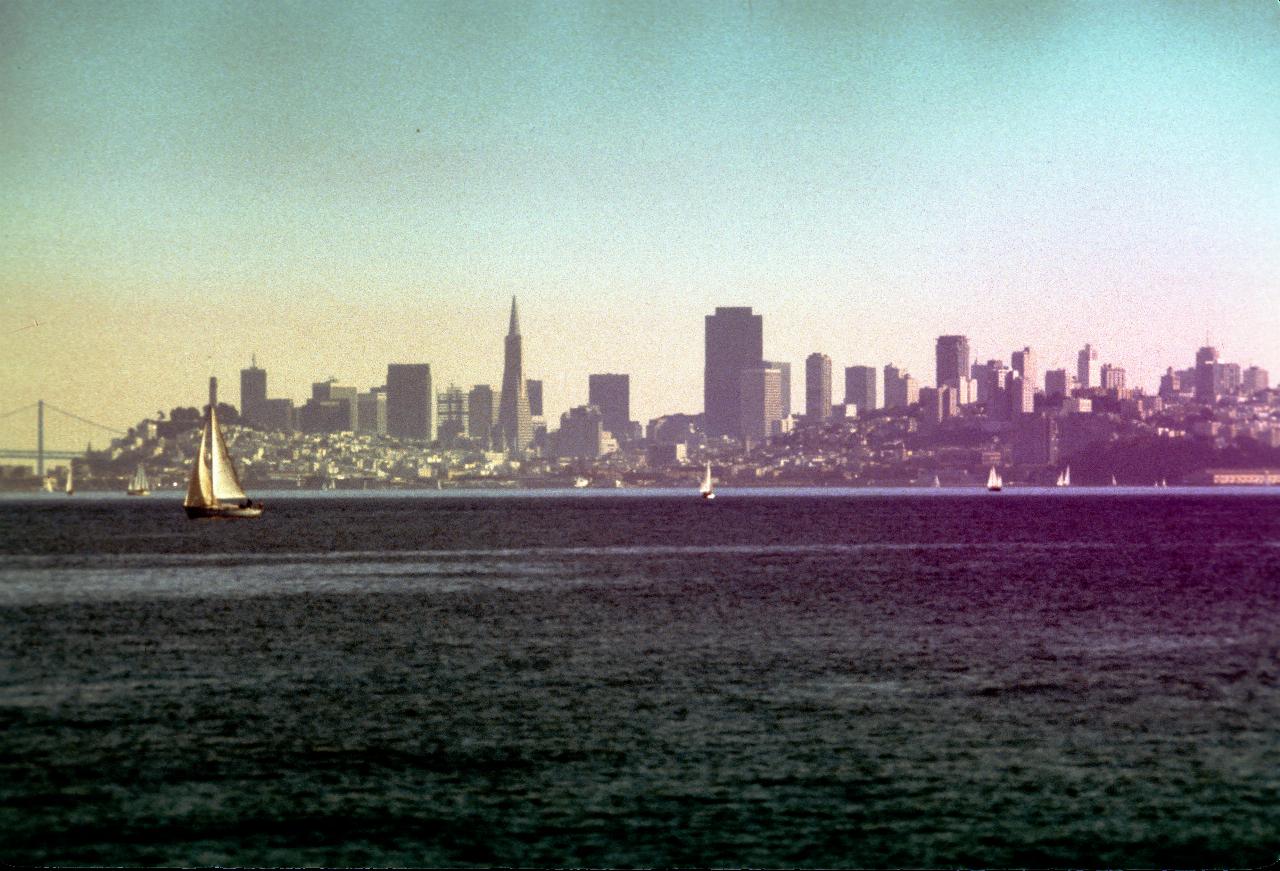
[337,186]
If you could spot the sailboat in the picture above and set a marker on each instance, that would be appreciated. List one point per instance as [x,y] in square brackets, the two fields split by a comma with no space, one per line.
[1113,480]
[936,482]
[71,487]
[706,489]
[994,482]
[139,485]
[214,490]
[1064,477]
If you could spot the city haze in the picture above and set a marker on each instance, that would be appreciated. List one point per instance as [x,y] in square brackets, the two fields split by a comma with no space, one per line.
[336,188]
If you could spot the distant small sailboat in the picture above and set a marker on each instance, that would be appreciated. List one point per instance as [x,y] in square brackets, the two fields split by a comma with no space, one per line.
[214,490]
[48,484]
[707,489]
[579,483]
[1064,477]
[1113,480]
[994,482]
[936,482]
[139,485]
[71,487]
[1164,482]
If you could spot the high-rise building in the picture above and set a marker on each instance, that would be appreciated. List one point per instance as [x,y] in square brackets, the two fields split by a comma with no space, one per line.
[1111,377]
[860,388]
[1056,383]
[409,401]
[900,389]
[734,343]
[583,434]
[332,408]
[451,416]
[952,354]
[1254,379]
[1087,373]
[253,394]
[515,421]
[817,387]
[278,415]
[481,415]
[372,414]
[760,403]
[611,393]
[533,386]
[1024,363]
[785,369]
[1206,377]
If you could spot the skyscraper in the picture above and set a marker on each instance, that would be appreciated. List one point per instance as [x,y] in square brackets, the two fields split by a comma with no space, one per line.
[817,387]
[612,395]
[860,388]
[515,424]
[952,354]
[372,411]
[451,416]
[480,415]
[1206,375]
[1255,378]
[253,394]
[734,343]
[1112,377]
[1056,383]
[409,400]
[533,386]
[900,389]
[785,369]
[1024,363]
[1087,374]
[760,403]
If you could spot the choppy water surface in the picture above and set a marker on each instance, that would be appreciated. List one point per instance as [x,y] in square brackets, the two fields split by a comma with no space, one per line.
[764,681]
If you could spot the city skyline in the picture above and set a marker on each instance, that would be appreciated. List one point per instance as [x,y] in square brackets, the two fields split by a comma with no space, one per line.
[866,177]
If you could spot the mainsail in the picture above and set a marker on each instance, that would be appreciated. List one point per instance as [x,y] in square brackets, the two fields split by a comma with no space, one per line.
[226,486]
[139,481]
[706,482]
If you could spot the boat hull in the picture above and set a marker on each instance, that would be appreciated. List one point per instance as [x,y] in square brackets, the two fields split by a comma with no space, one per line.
[137,492]
[221,512]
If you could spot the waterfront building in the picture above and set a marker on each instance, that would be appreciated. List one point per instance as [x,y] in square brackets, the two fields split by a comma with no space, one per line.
[734,342]
[860,388]
[952,358]
[817,388]
[611,393]
[515,422]
[760,404]
[409,405]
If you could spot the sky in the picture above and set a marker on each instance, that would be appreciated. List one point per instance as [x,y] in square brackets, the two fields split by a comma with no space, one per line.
[337,186]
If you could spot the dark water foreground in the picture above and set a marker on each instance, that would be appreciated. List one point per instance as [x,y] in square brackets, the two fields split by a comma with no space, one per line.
[813,681]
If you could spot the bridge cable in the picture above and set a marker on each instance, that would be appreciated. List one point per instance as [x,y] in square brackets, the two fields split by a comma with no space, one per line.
[16,410]
[85,419]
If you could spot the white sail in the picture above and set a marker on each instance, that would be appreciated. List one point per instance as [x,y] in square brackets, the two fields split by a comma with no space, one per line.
[71,488]
[1066,477]
[936,482]
[140,481]
[1113,480]
[993,479]
[226,486]
[200,486]
[706,482]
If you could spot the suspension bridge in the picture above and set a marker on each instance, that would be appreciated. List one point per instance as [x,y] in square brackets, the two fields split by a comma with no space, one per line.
[40,454]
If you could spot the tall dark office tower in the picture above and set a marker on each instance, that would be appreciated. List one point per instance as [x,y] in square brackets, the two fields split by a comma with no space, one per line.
[481,414]
[953,359]
[1206,380]
[860,388]
[612,395]
[533,387]
[253,394]
[817,387]
[515,423]
[734,343]
[409,400]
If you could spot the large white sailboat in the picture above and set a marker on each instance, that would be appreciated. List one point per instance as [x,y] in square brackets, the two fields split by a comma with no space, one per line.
[707,489]
[139,485]
[994,482]
[214,489]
